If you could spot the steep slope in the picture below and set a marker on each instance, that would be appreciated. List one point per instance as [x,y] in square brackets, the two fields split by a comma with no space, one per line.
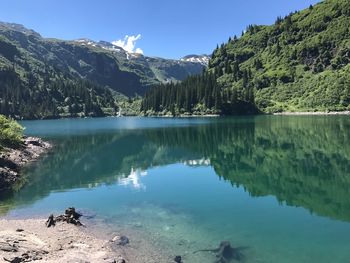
[150,70]
[301,63]
[31,88]
[46,78]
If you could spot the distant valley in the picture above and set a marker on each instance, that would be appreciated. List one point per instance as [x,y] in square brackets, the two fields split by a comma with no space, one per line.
[78,77]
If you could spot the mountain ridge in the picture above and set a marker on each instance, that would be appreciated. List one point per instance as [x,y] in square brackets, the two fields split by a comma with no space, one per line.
[144,70]
[49,78]
[300,63]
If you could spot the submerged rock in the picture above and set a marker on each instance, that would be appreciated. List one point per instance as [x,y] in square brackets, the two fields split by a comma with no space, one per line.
[120,240]
[226,253]
[178,259]
[116,242]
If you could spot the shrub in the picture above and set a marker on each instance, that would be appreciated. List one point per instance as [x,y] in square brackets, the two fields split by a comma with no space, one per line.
[11,133]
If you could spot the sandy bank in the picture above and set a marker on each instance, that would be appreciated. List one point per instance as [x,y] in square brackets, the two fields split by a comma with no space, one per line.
[30,240]
[62,243]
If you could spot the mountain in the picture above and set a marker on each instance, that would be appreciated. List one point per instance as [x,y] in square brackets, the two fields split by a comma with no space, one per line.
[301,63]
[202,59]
[151,69]
[46,78]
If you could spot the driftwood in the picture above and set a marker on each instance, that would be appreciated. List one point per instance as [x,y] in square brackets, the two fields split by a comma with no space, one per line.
[70,216]
[50,221]
[226,253]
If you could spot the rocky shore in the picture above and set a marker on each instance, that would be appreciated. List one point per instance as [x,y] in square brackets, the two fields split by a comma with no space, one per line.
[12,160]
[30,240]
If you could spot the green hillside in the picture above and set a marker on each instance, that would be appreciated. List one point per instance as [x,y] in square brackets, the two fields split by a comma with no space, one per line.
[49,78]
[301,63]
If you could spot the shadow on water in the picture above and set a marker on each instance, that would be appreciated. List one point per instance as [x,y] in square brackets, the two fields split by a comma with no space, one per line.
[302,161]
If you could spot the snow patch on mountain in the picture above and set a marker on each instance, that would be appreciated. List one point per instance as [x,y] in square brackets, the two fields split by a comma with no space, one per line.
[202,59]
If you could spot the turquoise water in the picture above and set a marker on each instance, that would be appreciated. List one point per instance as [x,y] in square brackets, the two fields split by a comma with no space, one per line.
[278,185]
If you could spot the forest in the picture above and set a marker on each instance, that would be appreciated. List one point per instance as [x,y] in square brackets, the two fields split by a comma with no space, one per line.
[301,63]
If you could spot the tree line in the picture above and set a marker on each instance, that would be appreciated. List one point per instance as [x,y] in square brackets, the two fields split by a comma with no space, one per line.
[199,94]
[51,97]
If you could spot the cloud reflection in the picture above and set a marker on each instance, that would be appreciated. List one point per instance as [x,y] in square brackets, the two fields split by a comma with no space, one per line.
[134,179]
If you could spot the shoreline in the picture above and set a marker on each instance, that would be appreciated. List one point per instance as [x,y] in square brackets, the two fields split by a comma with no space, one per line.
[30,240]
[302,113]
[182,116]
[310,113]
[13,160]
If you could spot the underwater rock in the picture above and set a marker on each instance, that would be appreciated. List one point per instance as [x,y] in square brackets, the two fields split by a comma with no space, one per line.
[226,253]
[120,240]
[178,259]
[88,214]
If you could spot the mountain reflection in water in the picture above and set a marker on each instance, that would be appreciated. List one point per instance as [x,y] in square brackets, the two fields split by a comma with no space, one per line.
[302,161]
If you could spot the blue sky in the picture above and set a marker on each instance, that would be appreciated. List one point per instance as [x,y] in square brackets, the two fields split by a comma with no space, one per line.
[168,29]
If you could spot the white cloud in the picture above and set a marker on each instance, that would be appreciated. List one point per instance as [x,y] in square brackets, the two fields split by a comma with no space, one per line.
[129,44]
[139,50]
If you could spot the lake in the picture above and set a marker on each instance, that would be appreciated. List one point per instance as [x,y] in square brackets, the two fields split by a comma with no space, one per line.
[279,186]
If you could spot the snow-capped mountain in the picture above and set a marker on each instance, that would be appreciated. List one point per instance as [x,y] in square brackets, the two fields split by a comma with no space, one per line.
[102,44]
[163,70]
[202,59]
